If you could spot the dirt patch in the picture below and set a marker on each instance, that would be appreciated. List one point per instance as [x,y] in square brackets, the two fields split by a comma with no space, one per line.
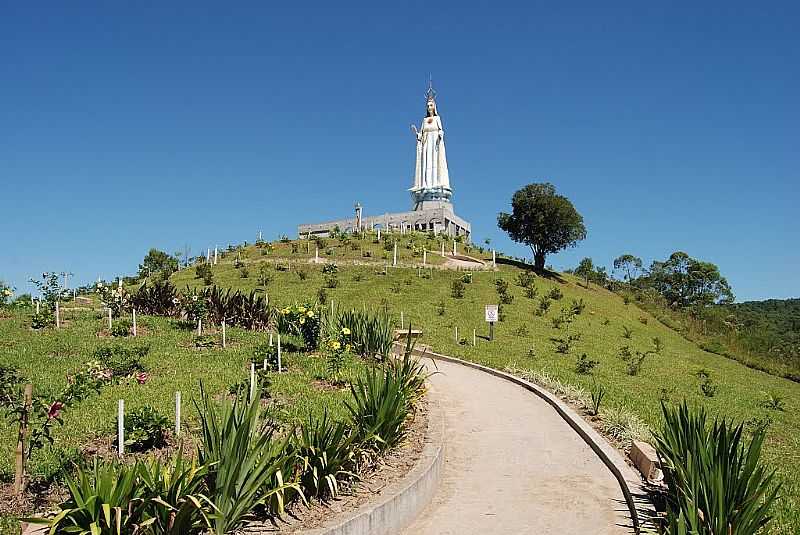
[329,386]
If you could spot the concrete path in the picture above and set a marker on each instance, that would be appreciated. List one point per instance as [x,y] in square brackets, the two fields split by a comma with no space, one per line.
[513,466]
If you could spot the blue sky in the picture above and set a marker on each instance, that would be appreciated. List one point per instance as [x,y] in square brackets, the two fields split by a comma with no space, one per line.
[671,126]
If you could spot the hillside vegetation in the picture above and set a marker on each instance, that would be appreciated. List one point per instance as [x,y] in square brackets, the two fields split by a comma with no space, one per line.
[638,360]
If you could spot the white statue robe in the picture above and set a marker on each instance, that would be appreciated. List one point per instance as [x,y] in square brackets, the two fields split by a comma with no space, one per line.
[431,169]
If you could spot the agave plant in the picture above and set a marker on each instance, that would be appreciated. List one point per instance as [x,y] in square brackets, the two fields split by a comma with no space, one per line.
[326,451]
[379,408]
[176,502]
[716,481]
[107,501]
[248,465]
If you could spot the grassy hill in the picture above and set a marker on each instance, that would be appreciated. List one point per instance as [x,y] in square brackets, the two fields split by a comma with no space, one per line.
[525,340]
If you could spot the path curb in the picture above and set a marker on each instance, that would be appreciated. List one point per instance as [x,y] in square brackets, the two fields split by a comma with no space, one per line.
[629,481]
[413,493]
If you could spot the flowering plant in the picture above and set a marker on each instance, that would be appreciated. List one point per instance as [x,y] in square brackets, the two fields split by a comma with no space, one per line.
[302,320]
[194,306]
[337,348]
[116,298]
[5,293]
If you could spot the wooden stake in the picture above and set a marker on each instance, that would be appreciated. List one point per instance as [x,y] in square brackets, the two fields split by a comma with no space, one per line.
[177,414]
[252,381]
[121,427]
[22,437]
[280,368]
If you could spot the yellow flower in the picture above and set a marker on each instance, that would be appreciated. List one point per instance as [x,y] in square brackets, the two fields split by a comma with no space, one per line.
[310,313]
[285,311]
[345,331]
[336,345]
[301,309]
[302,321]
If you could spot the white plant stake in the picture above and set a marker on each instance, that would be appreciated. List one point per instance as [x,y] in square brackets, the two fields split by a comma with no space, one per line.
[494,258]
[109,319]
[270,339]
[121,427]
[474,338]
[379,233]
[456,333]
[177,414]
[134,322]
[215,256]
[58,318]
[199,326]
[401,319]
[454,247]
[280,368]
[394,262]
[424,257]
[224,340]
[252,381]
[442,247]
[316,254]
[37,305]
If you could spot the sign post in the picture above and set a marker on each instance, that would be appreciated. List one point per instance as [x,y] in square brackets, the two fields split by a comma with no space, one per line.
[491,317]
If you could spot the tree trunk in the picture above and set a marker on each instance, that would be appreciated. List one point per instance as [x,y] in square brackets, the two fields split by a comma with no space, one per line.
[538,260]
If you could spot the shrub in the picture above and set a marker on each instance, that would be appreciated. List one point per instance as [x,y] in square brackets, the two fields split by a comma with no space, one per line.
[440,308]
[598,393]
[564,318]
[627,332]
[773,401]
[302,274]
[330,268]
[266,353]
[522,330]
[358,276]
[531,292]
[634,363]
[264,276]
[544,305]
[457,289]
[563,345]
[331,281]
[145,428]
[584,365]
[322,296]
[578,306]
[501,286]
[643,320]
[301,320]
[244,273]
[716,481]
[263,383]
[466,278]
[43,319]
[121,328]
[121,361]
[555,293]
[378,408]
[707,387]
[202,271]
[526,278]
[204,341]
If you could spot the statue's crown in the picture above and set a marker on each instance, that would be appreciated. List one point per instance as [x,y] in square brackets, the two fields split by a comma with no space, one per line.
[430,94]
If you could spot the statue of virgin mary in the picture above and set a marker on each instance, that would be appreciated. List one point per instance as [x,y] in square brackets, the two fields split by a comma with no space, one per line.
[431,178]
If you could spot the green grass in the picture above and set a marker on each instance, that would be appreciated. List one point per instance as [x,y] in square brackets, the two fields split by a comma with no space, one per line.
[48,356]
[740,393]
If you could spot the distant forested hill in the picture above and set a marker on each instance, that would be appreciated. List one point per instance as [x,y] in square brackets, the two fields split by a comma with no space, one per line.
[769,327]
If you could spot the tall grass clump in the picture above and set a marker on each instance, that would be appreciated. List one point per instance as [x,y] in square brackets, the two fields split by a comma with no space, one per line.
[371,334]
[716,481]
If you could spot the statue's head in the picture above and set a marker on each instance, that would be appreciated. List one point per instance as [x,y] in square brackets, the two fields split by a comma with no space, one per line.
[431,107]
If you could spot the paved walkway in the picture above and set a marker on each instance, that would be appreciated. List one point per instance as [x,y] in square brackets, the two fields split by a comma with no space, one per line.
[513,466]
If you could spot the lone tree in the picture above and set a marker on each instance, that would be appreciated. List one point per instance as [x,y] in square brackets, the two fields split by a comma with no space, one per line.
[543,220]
[630,265]
[158,262]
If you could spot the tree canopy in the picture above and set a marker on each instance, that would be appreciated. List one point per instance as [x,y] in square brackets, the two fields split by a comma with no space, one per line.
[543,220]
[685,281]
[158,262]
[630,265]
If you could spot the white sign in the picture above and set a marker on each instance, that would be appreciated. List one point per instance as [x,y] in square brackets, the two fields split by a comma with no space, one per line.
[491,313]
